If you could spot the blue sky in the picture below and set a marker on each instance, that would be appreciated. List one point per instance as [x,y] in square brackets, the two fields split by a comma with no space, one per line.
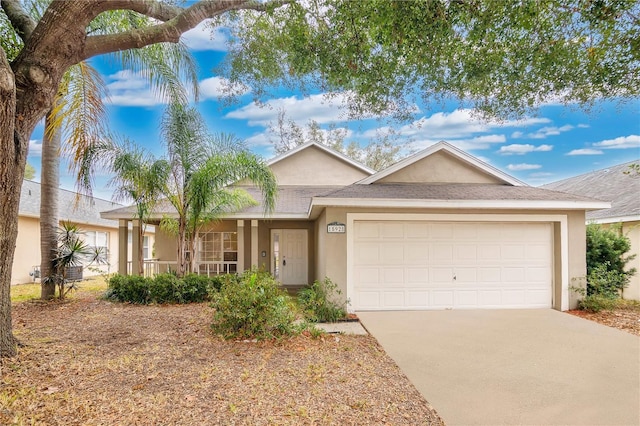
[556,143]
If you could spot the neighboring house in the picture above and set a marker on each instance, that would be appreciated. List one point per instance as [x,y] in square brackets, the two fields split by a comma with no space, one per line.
[438,230]
[83,211]
[621,186]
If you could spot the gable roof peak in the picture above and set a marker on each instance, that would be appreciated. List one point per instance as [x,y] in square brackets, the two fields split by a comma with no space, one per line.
[452,150]
[326,149]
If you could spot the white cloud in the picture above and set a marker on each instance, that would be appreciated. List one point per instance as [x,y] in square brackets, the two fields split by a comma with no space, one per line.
[583,126]
[623,142]
[523,166]
[541,174]
[204,37]
[545,132]
[128,88]
[321,108]
[217,87]
[35,148]
[585,151]
[521,149]
[517,135]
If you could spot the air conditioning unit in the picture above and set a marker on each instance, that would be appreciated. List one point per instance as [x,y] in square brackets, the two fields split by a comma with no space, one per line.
[35,272]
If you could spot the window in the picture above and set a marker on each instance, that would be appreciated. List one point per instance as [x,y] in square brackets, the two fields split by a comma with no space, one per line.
[97,239]
[146,250]
[219,247]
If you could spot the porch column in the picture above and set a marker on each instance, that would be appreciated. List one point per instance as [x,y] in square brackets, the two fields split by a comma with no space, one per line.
[254,243]
[240,231]
[135,247]
[123,237]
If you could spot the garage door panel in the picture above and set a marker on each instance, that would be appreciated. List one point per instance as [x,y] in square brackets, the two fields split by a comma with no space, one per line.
[438,265]
[368,300]
[489,252]
[416,253]
[393,277]
[392,253]
[417,276]
[417,230]
[417,299]
[393,299]
[367,254]
[467,298]
[442,252]
[514,275]
[368,277]
[442,298]
[392,230]
[439,276]
[513,252]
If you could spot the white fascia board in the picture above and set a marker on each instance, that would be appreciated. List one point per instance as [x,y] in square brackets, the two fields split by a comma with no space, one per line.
[259,216]
[616,219]
[444,146]
[459,204]
[324,148]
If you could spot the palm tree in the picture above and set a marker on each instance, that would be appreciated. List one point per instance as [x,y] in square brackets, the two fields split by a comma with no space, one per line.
[80,110]
[201,169]
[139,178]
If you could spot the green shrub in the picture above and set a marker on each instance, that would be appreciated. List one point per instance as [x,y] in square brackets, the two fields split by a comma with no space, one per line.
[318,302]
[607,258]
[598,302]
[253,306]
[163,288]
[128,288]
[606,282]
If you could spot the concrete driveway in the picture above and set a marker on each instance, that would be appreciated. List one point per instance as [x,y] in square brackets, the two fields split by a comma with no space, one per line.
[515,366]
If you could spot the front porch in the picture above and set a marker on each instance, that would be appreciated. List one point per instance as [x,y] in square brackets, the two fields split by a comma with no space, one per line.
[284,248]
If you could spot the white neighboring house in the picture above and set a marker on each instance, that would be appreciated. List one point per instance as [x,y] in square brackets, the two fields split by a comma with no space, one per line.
[85,212]
[621,186]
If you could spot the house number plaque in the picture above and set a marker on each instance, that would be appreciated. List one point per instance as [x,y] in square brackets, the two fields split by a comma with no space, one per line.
[336,228]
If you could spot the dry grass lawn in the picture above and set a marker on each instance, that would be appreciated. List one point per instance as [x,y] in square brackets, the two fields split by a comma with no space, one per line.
[88,362]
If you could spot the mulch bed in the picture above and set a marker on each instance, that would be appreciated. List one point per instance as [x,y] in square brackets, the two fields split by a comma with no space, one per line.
[90,361]
[623,319]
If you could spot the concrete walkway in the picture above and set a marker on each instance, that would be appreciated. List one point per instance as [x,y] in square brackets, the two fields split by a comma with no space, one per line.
[515,367]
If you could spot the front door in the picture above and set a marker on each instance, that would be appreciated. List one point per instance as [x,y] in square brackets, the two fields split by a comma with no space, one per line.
[290,256]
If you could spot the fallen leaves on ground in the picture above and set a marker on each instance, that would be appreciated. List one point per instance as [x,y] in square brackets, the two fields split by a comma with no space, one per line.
[623,319]
[90,361]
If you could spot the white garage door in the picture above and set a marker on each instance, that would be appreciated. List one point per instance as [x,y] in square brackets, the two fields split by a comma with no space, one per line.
[439,265]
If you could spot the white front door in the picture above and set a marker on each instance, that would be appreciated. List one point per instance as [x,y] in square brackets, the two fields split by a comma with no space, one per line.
[290,256]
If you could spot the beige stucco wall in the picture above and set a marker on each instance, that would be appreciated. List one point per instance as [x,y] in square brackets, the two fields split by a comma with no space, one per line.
[27,253]
[321,242]
[313,166]
[333,247]
[439,167]
[632,230]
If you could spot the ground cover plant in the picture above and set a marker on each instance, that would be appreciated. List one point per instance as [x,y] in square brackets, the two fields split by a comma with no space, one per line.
[88,360]
[320,302]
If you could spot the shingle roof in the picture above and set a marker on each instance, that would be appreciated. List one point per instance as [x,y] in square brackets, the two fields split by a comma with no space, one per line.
[292,200]
[610,184]
[87,210]
[455,191]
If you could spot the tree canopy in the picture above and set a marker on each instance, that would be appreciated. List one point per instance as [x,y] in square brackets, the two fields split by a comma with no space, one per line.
[501,57]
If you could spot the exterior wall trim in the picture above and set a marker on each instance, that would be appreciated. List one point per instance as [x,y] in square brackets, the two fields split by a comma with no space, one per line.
[464,204]
[562,219]
[444,146]
[615,219]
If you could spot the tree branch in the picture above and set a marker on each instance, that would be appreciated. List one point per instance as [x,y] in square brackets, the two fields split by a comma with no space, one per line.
[19,18]
[179,21]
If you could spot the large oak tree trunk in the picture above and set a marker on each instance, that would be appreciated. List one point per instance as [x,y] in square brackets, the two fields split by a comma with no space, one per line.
[49,218]
[12,161]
